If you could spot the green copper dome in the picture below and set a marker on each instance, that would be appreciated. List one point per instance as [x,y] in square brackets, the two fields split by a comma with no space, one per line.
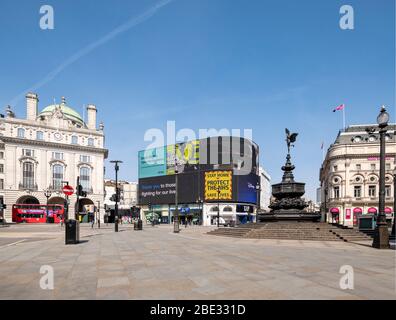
[66,110]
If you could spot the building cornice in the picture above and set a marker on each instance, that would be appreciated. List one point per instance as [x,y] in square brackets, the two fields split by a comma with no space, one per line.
[31,123]
[47,144]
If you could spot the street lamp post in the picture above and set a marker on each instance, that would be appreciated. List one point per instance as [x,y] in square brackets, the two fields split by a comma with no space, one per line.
[116,168]
[98,215]
[258,188]
[176,226]
[394,200]
[47,194]
[325,205]
[381,235]
[218,203]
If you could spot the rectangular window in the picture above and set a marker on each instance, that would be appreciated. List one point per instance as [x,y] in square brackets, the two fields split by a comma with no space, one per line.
[1,184]
[57,176]
[388,191]
[388,166]
[28,152]
[39,135]
[373,166]
[336,192]
[358,167]
[357,192]
[57,155]
[28,175]
[85,158]
[85,178]
[1,155]
[74,140]
[21,133]
[1,168]
[335,168]
[372,191]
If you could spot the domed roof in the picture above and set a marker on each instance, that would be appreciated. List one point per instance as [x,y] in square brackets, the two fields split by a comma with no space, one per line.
[68,112]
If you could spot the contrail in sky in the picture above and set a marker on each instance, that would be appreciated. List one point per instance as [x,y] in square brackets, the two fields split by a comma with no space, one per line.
[134,21]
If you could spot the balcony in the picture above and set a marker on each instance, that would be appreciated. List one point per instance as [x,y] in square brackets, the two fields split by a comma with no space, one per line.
[28,186]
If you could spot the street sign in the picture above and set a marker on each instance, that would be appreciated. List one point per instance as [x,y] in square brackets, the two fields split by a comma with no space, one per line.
[68,190]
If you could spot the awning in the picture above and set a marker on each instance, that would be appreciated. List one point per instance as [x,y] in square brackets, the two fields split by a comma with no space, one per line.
[357,210]
[372,210]
[334,210]
[388,210]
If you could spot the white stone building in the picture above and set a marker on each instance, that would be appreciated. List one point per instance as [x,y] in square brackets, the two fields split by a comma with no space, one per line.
[350,172]
[265,189]
[46,149]
[128,198]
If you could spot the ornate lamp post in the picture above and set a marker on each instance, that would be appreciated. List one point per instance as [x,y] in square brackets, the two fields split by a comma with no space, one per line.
[116,168]
[258,189]
[381,235]
[47,194]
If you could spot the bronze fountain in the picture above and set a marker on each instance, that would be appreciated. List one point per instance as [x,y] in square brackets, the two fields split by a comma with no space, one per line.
[288,204]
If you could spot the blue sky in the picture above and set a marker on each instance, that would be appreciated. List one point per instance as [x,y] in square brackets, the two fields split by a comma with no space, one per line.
[262,65]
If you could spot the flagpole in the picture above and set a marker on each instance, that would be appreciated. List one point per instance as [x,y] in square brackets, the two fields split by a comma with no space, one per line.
[343,117]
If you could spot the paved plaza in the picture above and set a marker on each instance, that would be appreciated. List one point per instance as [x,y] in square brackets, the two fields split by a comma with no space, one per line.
[157,264]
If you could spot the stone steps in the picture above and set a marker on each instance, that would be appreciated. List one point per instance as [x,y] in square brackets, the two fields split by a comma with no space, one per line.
[292,231]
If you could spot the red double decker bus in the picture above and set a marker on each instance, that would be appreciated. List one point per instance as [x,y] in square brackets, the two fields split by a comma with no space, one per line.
[37,213]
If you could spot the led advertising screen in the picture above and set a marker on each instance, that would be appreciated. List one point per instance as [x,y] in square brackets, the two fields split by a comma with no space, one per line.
[247,191]
[152,162]
[158,190]
[162,189]
[186,155]
[218,185]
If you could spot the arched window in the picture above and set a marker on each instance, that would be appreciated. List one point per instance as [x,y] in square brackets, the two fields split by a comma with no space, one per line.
[21,133]
[39,135]
[74,140]
[227,209]
[57,176]
[215,208]
[28,175]
[90,142]
[85,178]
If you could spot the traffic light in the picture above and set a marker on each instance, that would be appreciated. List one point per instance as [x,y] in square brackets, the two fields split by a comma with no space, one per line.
[80,191]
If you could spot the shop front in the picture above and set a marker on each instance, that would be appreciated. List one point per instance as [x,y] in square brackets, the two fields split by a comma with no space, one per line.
[334,215]
[190,214]
[357,212]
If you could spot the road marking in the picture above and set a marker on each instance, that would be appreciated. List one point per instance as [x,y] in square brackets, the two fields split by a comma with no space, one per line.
[12,243]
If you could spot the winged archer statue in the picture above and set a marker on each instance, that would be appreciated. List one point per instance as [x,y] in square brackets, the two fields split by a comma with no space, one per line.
[290,139]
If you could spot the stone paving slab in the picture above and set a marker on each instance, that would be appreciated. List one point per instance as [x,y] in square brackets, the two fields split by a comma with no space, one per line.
[157,264]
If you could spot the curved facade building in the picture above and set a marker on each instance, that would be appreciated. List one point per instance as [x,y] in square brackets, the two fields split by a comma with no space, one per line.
[213,173]
[349,176]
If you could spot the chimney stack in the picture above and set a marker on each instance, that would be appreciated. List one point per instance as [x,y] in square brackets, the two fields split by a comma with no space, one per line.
[91,114]
[31,106]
